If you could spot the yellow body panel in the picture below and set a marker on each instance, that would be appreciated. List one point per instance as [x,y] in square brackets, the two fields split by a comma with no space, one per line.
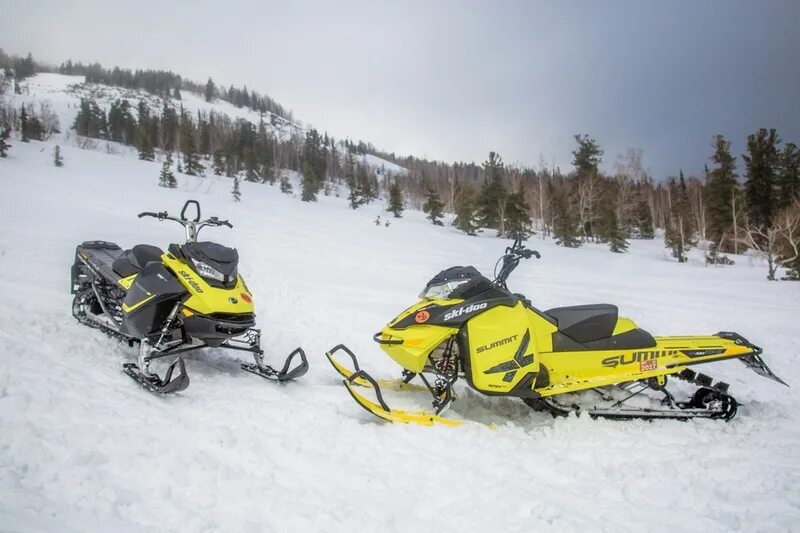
[498,361]
[573,371]
[418,341]
[204,298]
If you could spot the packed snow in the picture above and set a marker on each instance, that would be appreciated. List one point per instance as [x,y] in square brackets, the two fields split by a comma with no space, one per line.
[83,448]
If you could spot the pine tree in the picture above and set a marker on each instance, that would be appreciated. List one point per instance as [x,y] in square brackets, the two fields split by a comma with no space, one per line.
[722,187]
[191,158]
[587,157]
[680,231]
[286,185]
[314,167]
[354,196]
[57,159]
[250,173]
[434,208]
[365,185]
[218,163]
[586,160]
[24,126]
[5,133]
[611,231]
[644,218]
[210,90]
[565,222]
[761,175]
[789,182]
[491,203]
[395,200]
[518,221]
[465,210]
[145,146]
[167,178]
[235,192]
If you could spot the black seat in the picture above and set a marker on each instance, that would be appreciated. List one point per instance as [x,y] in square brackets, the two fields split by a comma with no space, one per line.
[591,327]
[133,260]
[585,323]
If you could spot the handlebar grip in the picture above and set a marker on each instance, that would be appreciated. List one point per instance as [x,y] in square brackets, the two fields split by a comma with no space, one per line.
[147,214]
[226,223]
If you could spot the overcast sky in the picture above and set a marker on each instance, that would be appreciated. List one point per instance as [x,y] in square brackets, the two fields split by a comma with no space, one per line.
[452,80]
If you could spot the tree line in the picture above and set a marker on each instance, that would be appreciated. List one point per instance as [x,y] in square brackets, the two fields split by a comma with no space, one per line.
[733,209]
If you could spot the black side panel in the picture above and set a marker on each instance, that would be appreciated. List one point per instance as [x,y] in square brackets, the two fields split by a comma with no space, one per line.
[455,315]
[584,323]
[635,338]
[160,291]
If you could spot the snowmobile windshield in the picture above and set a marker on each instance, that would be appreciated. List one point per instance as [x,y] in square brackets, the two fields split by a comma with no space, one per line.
[215,263]
[442,291]
[456,282]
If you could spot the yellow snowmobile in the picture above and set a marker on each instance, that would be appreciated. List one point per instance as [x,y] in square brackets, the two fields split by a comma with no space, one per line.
[172,302]
[466,326]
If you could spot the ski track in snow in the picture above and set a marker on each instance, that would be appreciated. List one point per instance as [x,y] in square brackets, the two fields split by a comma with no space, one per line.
[83,448]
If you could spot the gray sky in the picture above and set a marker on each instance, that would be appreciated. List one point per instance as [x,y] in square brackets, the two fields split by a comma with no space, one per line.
[452,80]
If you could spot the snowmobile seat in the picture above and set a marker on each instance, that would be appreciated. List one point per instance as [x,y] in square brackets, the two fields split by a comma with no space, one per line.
[134,260]
[591,327]
[586,323]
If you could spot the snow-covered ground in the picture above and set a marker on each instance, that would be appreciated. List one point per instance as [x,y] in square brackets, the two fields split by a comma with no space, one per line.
[83,448]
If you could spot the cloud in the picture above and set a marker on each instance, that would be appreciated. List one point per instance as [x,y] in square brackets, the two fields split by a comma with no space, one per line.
[453,80]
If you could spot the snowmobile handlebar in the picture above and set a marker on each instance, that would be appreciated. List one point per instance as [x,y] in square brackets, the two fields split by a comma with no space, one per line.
[510,261]
[192,227]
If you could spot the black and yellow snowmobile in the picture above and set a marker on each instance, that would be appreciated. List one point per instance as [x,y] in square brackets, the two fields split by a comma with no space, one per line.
[172,302]
[466,326]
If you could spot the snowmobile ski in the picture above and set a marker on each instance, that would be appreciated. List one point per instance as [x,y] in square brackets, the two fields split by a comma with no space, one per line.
[382,410]
[399,385]
[284,374]
[156,385]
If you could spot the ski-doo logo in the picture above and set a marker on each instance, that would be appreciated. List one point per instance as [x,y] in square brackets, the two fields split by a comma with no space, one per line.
[637,357]
[455,313]
[495,344]
[190,280]
[422,317]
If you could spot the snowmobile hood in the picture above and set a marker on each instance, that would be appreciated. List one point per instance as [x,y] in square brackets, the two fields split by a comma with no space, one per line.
[207,299]
[410,345]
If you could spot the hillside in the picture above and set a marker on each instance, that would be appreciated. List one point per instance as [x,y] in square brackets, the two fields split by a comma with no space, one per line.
[64,93]
[84,448]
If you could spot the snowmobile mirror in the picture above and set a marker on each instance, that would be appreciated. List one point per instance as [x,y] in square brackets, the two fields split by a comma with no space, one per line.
[186,206]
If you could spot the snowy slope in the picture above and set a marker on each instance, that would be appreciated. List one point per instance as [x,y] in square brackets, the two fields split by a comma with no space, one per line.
[82,448]
[64,93]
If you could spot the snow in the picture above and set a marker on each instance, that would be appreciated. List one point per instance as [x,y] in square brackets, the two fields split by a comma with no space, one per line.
[83,448]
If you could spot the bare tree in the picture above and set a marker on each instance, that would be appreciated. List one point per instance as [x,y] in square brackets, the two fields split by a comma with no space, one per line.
[697,205]
[778,243]
[589,193]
